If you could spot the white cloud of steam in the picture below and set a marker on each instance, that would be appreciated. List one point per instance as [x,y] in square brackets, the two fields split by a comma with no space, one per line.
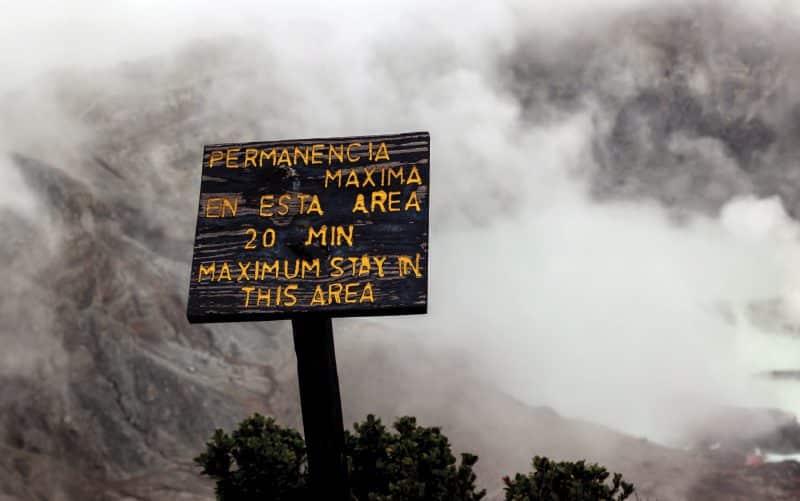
[608,311]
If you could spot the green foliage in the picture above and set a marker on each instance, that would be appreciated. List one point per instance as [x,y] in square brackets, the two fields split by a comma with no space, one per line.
[259,460]
[262,460]
[413,464]
[566,481]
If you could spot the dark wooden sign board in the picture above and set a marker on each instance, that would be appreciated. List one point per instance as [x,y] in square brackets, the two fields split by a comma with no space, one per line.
[334,226]
[310,229]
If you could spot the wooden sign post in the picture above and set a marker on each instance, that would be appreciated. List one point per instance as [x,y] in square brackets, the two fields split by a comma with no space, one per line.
[307,230]
[321,404]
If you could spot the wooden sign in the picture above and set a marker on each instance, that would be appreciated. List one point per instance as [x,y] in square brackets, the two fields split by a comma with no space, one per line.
[336,227]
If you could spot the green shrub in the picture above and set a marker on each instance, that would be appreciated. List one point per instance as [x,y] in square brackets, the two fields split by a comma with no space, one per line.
[262,460]
[566,481]
[259,460]
[413,464]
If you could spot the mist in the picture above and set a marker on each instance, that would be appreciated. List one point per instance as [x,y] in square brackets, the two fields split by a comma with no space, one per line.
[614,280]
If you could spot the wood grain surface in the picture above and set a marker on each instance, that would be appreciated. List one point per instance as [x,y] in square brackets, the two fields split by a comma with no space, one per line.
[242,185]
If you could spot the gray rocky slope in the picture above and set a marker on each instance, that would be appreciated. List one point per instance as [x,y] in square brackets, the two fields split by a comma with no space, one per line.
[106,392]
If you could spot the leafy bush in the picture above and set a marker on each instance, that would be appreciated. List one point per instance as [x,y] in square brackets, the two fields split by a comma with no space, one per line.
[259,460]
[262,460]
[414,464]
[566,481]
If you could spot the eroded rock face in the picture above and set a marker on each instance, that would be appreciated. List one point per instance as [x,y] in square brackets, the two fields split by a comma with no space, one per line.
[692,105]
[775,481]
[106,390]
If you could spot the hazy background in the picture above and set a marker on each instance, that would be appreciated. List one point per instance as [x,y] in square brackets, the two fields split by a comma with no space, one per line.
[614,184]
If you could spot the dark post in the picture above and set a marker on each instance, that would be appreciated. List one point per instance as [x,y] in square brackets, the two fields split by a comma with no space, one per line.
[321,405]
